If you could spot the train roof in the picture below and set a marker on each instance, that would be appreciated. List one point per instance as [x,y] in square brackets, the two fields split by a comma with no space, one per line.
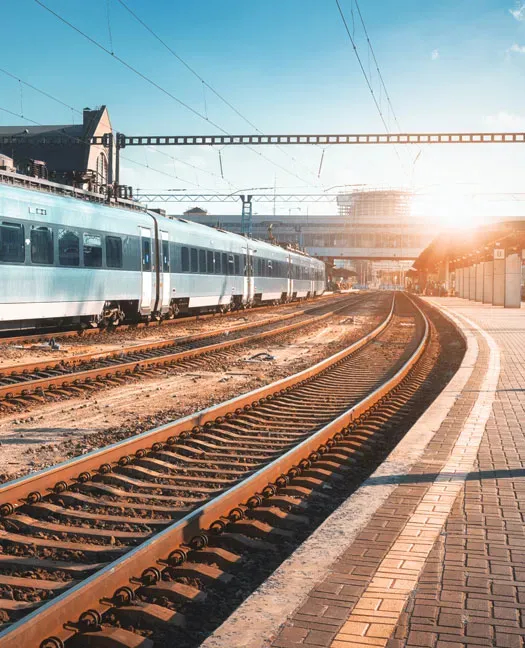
[46,189]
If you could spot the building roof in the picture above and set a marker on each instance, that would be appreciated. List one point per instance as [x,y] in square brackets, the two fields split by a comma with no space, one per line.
[458,245]
[59,158]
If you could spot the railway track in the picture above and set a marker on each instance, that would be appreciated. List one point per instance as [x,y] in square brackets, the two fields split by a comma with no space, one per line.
[58,334]
[38,381]
[110,548]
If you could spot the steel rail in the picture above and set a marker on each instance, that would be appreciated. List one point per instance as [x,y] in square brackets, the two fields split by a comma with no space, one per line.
[80,333]
[77,378]
[30,488]
[51,622]
[136,348]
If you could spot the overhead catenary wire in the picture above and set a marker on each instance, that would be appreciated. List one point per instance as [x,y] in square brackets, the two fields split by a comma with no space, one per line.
[81,141]
[205,83]
[368,83]
[378,70]
[379,73]
[79,112]
[156,85]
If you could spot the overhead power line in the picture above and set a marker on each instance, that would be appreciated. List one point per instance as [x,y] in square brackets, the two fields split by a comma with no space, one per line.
[200,78]
[356,52]
[81,141]
[153,83]
[368,82]
[79,112]
[377,65]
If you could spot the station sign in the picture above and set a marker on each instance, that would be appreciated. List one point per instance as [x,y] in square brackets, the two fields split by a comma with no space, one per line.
[499,254]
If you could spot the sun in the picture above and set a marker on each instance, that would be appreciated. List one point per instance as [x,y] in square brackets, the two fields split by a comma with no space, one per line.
[446,208]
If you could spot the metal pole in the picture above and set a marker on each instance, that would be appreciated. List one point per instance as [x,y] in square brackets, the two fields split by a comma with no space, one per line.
[120,139]
[246,215]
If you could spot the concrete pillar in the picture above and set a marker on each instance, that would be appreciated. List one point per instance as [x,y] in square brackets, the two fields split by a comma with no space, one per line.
[466,280]
[448,286]
[513,281]
[472,282]
[459,281]
[479,281]
[488,281]
[498,291]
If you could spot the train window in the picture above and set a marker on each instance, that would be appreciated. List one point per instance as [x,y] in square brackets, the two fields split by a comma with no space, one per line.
[93,250]
[225,264]
[218,269]
[113,252]
[12,244]
[270,269]
[42,245]
[231,265]
[202,261]
[194,260]
[237,264]
[210,262]
[185,259]
[68,248]
[146,255]
[165,256]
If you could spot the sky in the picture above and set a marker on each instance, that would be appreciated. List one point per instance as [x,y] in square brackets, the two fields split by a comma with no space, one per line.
[285,66]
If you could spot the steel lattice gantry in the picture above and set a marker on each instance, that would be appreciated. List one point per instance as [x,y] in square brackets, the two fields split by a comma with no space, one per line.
[120,141]
[263,140]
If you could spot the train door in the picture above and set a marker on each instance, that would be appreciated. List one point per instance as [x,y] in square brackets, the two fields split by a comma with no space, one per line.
[147,292]
[249,280]
[164,273]
[290,283]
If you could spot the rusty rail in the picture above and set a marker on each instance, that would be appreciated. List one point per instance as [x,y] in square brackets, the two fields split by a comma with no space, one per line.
[50,624]
[118,369]
[80,333]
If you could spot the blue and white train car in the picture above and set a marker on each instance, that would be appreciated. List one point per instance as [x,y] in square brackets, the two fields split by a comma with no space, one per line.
[66,259]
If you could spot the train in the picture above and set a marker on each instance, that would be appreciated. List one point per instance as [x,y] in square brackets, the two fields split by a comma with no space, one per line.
[69,257]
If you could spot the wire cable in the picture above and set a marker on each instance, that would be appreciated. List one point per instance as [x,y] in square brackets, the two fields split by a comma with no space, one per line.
[79,112]
[201,79]
[156,85]
[356,52]
[82,141]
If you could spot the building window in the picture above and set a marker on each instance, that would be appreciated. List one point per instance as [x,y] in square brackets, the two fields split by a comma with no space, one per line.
[102,170]
[68,248]
[12,244]
[42,245]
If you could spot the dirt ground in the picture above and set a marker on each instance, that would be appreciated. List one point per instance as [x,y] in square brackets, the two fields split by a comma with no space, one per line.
[15,354]
[56,431]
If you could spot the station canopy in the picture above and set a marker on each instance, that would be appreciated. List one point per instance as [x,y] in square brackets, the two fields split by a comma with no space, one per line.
[456,246]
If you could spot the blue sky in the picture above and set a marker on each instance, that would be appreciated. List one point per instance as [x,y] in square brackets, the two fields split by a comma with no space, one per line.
[288,66]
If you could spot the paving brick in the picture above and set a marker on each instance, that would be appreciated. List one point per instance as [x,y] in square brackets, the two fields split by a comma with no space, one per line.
[319,638]
[473,581]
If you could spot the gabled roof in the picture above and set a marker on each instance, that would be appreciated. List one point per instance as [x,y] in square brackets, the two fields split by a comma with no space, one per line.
[60,158]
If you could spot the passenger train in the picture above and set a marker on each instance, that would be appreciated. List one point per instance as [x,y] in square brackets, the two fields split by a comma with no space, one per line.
[66,258]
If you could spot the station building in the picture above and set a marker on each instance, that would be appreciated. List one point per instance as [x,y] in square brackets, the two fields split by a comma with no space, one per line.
[372,233]
[485,265]
[61,153]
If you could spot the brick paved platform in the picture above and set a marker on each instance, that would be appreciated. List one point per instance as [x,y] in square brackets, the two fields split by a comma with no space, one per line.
[432,547]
